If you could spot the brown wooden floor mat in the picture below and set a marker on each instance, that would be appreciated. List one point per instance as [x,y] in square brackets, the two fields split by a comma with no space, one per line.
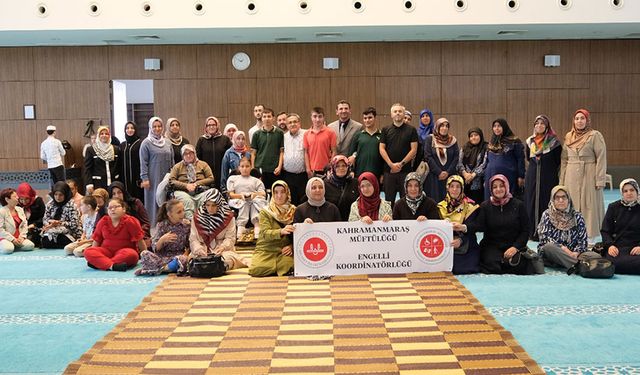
[399,324]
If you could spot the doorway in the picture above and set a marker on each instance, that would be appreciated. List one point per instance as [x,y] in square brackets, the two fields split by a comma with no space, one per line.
[131,100]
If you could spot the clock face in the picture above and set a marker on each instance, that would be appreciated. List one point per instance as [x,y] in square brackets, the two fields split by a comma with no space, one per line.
[241,61]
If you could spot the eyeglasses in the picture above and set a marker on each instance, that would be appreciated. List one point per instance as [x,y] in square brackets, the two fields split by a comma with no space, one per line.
[561,198]
[114,207]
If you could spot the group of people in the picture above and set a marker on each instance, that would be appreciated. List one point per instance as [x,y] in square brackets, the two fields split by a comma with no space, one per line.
[280,174]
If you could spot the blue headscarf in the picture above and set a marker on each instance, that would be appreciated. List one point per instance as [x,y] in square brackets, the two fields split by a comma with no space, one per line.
[425,129]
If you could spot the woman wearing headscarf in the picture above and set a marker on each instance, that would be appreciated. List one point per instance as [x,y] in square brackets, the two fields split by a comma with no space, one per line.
[213,231]
[156,160]
[61,219]
[457,208]
[229,130]
[130,159]
[543,150]
[135,208]
[101,164]
[316,209]
[190,179]
[231,158]
[472,163]
[211,147]
[174,135]
[583,170]
[441,151]
[621,229]
[562,231]
[415,205]
[503,219]
[369,207]
[341,188]
[33,207]
[505,157]
[274,250]
[425,129]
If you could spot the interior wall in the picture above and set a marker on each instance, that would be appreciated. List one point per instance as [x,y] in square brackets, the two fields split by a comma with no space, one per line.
[471,83]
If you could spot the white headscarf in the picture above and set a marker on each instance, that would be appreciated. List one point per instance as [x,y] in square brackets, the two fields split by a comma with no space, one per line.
[157,140]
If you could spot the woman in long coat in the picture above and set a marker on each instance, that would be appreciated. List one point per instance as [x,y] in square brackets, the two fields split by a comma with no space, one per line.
[505,156]
[543,151]
[441,151]
[130,159]
[211,147]
[583,170]
[156,160]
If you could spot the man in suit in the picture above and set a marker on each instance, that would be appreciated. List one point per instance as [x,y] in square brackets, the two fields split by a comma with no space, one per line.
[344,127]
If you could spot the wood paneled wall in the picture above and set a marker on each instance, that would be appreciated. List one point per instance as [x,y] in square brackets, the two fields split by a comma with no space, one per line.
[471,83]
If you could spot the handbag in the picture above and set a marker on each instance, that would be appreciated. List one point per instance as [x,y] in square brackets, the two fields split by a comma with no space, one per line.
[207,267]
[593,266]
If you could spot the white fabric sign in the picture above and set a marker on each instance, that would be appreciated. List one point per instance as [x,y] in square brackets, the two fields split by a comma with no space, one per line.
[354,248]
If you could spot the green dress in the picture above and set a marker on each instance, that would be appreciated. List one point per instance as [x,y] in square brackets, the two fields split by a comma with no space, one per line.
[267,258]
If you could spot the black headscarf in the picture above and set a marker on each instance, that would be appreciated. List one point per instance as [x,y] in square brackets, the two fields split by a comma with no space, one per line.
[499,141]
[132,138]
[470,151]
[128,199]
[63,188]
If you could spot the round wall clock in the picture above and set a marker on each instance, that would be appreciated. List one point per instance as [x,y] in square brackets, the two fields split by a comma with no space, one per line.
[241,61]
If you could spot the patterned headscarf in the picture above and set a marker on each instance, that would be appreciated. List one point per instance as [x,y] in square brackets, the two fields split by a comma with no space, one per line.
[236,142]
[282,213]
[311,201]
[157,140]
[507,196]
[562,219]
[425,129]
[634,183]
[104,151]
[369,206]
[206,134]
[456,209]
[333,177]
[208,225]
[175,139]
[442,142]
[60,187]
[576,138]
[414,203]
[542,143]
[191,167]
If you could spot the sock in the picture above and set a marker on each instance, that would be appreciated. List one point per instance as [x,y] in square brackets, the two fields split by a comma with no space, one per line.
[173,265]
[92,266]
[121,267]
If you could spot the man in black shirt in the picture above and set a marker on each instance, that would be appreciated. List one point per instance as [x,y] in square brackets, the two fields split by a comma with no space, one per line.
[398,146]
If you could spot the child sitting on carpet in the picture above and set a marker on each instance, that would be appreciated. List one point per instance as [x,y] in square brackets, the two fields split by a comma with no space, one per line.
[170,244]
[88,209]
[246,194]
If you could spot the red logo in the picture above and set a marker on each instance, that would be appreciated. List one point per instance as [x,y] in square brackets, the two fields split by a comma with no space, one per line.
[431,246]
[315,249]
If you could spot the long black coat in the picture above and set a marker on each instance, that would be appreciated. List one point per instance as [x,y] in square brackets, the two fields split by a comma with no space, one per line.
[542,175]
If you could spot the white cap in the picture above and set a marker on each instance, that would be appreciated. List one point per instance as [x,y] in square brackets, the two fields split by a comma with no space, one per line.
[51,127]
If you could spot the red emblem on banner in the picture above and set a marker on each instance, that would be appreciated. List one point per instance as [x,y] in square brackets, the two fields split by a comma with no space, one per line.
[431,246]
[315,249]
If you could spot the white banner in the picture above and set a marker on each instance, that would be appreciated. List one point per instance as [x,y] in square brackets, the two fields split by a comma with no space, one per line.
[353,248]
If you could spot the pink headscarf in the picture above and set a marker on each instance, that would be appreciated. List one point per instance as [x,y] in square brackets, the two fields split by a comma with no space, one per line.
[507,196]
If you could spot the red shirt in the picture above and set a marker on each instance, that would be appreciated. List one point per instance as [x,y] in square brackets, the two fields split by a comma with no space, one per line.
[17,221]
[125,235]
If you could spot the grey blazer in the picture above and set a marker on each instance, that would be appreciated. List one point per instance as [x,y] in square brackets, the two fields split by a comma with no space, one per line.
[344,144]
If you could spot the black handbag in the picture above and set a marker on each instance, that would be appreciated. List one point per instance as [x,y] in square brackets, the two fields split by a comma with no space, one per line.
[207,267]
[592,267]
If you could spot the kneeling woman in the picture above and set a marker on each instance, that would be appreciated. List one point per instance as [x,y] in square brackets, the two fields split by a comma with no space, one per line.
[621,229]
[369,207]
[274,251]
[503,219]
[316,209]
[415,205]
[213,230]
[170,244]
[457,208]
[562,231]
[115,240]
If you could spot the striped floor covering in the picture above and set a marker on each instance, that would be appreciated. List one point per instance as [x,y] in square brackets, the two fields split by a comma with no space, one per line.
[416,323]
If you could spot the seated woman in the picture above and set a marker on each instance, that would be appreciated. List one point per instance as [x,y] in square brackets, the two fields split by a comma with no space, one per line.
[135,208]
[247,195]
[231,158]
[213,231]
[457,208]
[190,179]
[415,205]
[33,207]
[341,187]
[562,231]
[274,251]
[115,240]
[621,229]
[316,209]
[503,219]
[13,224]
[170,244]
[369,207]
[102,197]
[61,219]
